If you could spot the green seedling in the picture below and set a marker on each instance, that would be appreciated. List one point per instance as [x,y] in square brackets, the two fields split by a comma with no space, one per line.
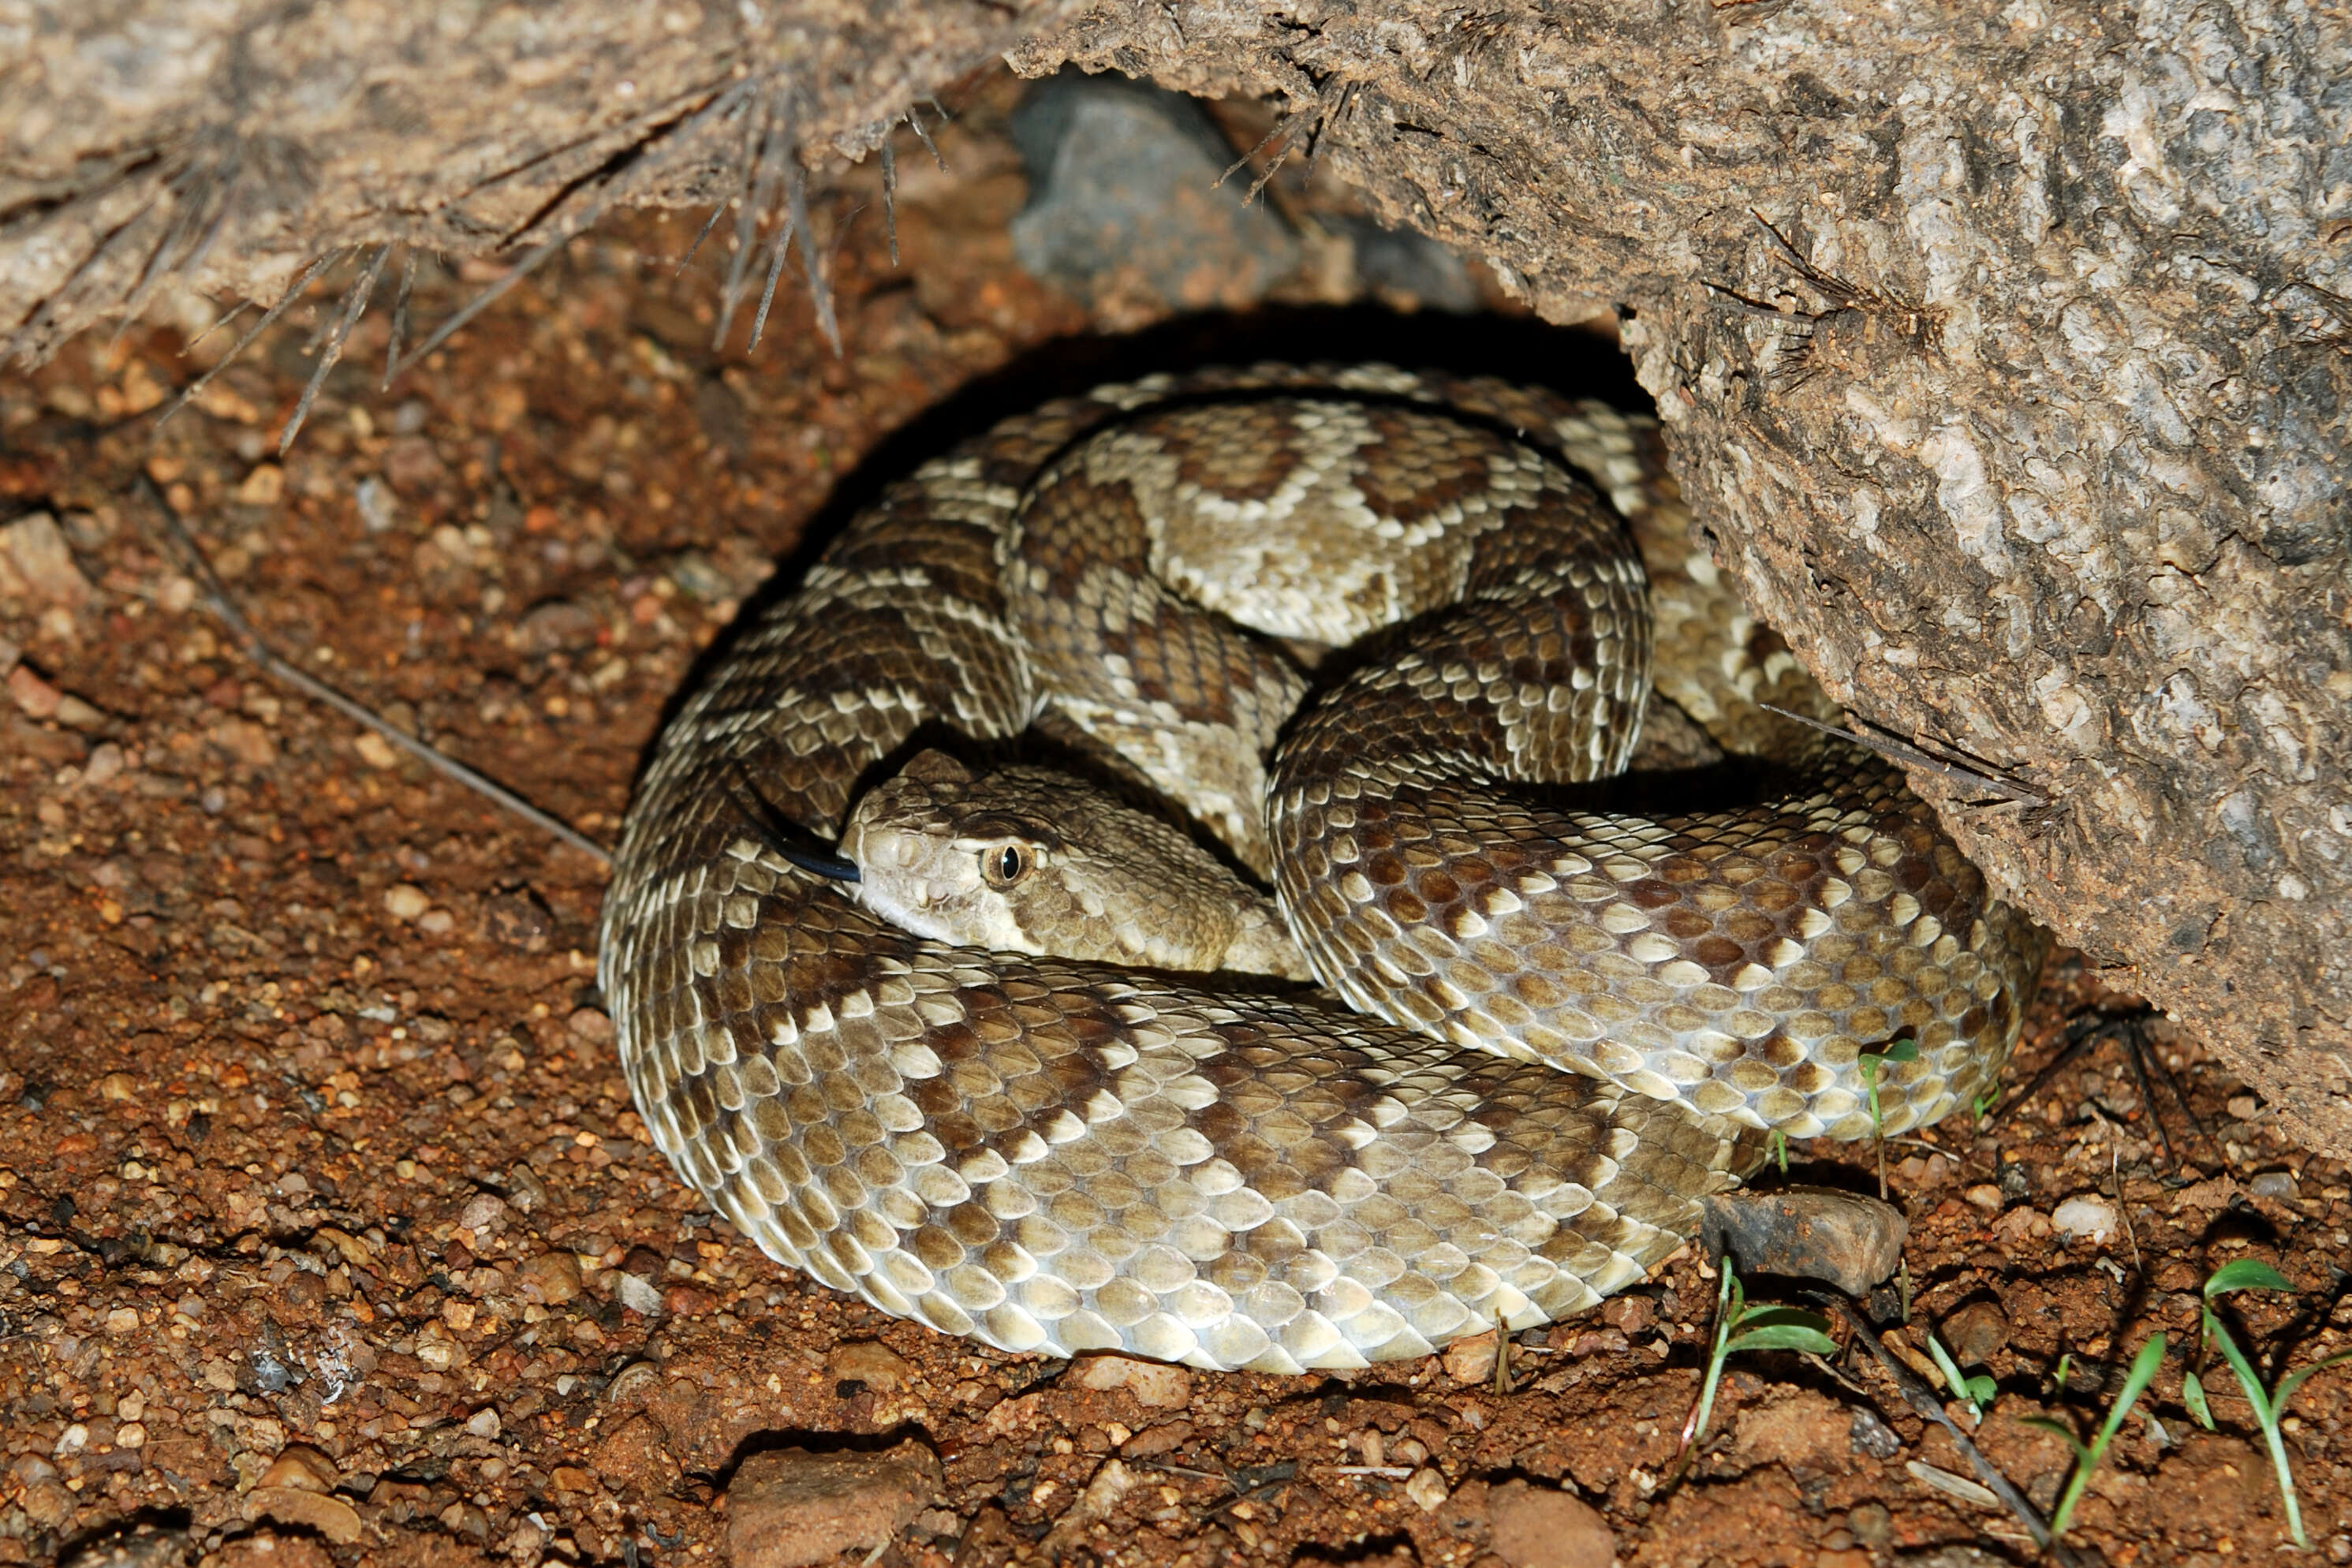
[1740,1327]
[1980,1105]
[1778,1142]
[1976,1391]
[2269,1408]
[2066,1369]
[2087,1455]
[1905,1049]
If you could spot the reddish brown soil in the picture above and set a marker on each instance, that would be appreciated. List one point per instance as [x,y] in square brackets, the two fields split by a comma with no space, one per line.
[289,1155]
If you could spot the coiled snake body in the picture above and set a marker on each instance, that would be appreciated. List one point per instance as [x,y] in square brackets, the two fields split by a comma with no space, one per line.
[1593,1012]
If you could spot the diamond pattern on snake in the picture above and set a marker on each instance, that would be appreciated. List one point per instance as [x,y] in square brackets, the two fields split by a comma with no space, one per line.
[1434,1015]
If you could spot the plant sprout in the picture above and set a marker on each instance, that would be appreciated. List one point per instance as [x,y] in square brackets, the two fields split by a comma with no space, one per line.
[2270,1407]
[2087,1455]
[1740,1327]
[1977,1393]
[1905,1049]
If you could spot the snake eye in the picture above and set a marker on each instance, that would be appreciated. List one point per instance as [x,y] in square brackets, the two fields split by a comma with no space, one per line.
[1002,865]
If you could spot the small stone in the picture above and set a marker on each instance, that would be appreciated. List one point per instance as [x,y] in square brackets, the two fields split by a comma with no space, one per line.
[1629,1315]
[789,1509]
[551,1279]
[466,1519]
[1427,1489]
[1976,1332]
[131,1434]
[118,1087]
[2085,1217]
[1814,1233]
[48,1503]
[264,486]
[375,751]
[405,901]
[590,1024]
[1984,1195]
[483,1423]
[875,1364]
[36,697]
[1103,1493]
[242,741]
[1867,1433]
[638,1295]
[483,1213]
[1165,1438]
[1471,1360]
[437,922]
[1870,1524]
[2244,1106]
[105,764]
[2279,1185]
[1537,1527]
[36,548]
[72,1440]
[301,1468]
[330,1516]
[1151,1383]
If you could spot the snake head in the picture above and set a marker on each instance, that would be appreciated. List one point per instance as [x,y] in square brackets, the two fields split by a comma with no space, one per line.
[932,861]
[1023,859]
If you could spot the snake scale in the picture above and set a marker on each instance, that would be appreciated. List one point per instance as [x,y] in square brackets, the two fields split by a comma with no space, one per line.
[1583,1015]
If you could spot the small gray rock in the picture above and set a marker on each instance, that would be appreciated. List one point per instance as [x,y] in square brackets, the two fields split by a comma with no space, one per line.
[1872,1436]
[1814,1233]
[1121,207]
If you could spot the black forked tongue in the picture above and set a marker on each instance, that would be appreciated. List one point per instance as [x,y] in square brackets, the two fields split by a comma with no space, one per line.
[837,866]
[783,836]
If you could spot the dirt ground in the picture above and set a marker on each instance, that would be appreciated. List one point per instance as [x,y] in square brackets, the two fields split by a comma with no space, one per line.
[311,1133]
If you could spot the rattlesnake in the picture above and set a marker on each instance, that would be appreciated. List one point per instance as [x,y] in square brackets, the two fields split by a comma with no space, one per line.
[1063,1156]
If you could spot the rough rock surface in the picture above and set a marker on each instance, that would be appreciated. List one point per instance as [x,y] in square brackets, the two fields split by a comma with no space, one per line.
[1538,1527]
[788,1508]
[2001,344]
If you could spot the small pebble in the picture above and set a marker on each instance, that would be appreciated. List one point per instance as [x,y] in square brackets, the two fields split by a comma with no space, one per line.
[301,1468]
[1471,1360]
[637,1295]
[405,901]
[1868,1434]
[37,549]
[36,697]
[1151,1383]
[1427,1489]
[2278,1184]
[332,1516]
[551,1279]
[1984,1195]
[2085,1217]
[876,1366]
[1538,1527]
